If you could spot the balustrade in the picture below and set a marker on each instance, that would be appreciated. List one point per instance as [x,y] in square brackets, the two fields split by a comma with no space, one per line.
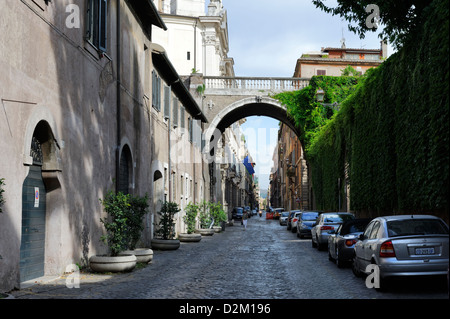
[255,83]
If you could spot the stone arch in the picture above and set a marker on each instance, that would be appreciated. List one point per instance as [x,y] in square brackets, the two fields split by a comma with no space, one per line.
[125,169]
[41,122]
[259,106]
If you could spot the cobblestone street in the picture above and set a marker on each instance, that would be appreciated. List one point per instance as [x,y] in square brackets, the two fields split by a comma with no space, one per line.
[264,262]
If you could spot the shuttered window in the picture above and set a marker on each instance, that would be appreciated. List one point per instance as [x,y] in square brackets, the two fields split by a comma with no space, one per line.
[156,91]
[175,113]
[97,18]
[166,102]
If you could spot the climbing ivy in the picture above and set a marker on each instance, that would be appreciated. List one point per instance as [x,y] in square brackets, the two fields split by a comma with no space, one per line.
[392,130]
[310,115]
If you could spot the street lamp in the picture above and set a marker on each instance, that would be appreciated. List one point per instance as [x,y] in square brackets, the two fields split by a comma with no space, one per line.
[320,95]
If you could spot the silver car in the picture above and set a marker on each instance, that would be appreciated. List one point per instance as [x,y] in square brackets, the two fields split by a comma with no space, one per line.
[325,224]
[403,245]
[283,218]
[341,243]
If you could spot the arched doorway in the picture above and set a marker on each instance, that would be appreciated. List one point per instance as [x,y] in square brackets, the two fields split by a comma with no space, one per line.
[43,151]
[125,171]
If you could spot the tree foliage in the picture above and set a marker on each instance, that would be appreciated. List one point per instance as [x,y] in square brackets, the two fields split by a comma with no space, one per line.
[393,131]
[398,18]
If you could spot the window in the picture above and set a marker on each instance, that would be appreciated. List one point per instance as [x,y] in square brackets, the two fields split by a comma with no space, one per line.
[373,233]
[188,55]
[182,118]
[156,91]
[175,113]
[368,230]
[97,12]
[191,129]
[321,72]
[166,102]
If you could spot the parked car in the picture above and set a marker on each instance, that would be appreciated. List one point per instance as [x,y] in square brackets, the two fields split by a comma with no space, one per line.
[305,222]
[325,223]
[237,213]
[277,212]
[403,245]
[248,210]
[288,220]
[294,221]
[341,242]
[254,212]
[283,218]
[291,215]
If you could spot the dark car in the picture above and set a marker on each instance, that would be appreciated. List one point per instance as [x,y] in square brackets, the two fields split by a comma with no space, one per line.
[237,213]
[306,221]
[341,243]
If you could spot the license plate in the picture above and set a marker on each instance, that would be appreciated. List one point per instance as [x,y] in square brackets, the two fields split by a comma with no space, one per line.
[424,251]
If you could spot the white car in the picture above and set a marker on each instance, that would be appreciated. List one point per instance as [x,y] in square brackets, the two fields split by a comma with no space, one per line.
[294,221]
[325,224]
[283,218]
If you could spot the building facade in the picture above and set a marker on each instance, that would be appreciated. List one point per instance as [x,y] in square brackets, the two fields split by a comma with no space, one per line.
[84,112]
[197,43]
[332,61]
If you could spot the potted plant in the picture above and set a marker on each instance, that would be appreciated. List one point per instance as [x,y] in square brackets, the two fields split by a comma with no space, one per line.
[165,231]
[205,219]
[137,209]
[116,207]
[218,215]
[190,220]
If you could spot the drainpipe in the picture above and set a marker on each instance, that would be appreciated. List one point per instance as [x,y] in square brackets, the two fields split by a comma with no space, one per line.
[195,44]
[118,106]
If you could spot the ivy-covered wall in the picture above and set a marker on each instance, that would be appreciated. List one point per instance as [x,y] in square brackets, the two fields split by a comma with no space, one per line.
[393,131]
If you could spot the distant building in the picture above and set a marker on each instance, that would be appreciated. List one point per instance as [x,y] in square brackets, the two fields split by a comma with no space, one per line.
[331,61]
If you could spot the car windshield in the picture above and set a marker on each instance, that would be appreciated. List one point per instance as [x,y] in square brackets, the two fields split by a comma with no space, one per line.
[337,218]
[416,227]
[284,214]
[354,227]
[309,216]
[239,210]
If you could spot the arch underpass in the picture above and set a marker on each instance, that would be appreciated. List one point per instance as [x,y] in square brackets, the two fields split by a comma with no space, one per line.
[251,106]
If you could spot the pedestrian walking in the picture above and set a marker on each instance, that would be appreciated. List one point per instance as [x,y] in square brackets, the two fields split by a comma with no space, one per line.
[244,219]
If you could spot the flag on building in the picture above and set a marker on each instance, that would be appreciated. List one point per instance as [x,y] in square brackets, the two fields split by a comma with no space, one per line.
[249,166]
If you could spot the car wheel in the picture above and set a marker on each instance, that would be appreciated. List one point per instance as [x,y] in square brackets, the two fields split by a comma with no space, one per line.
[329,256]
[355,268]
[339,262]
[319,245]
[313,244]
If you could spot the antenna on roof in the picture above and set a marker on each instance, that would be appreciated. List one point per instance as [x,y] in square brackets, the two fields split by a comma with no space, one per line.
[343,39]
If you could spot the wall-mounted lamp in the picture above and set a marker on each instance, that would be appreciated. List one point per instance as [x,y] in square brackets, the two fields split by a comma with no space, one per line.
[320,95]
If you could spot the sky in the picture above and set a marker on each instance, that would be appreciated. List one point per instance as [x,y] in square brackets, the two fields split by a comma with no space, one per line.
[266,37]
